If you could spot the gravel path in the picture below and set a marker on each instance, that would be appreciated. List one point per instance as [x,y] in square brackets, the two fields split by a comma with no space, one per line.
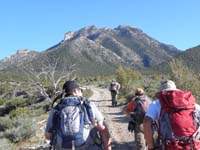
[116,121]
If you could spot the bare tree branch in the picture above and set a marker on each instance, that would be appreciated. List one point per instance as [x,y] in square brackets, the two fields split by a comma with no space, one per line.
[50,74]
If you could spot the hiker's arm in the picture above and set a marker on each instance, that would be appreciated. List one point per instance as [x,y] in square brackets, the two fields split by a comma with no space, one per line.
[48,130]
[105,136]
[102,127]
[148,133]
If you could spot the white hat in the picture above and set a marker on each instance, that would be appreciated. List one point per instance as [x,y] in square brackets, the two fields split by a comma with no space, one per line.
[167,85]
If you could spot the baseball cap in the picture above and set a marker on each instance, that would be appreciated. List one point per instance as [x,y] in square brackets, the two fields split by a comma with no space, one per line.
[167,85]
[70,85]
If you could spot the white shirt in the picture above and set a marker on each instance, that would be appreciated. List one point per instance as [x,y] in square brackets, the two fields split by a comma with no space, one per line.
[154,110]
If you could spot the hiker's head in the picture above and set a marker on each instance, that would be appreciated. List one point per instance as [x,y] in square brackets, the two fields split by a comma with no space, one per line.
[167,85]
[139,92]
[113,80]
[72,88]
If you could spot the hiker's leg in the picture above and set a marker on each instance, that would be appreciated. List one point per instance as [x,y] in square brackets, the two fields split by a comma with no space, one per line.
[139,137]
[116,97]
[113,95]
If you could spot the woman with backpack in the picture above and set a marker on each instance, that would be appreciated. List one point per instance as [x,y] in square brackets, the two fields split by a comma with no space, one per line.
[136,110]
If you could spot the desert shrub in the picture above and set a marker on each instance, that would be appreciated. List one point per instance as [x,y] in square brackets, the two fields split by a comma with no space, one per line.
[131,79]
[184,77]
[23,127]
[19,111]
[16,102]
[5,123]
[2,101]
[127,77]
[5,144]
[2,90]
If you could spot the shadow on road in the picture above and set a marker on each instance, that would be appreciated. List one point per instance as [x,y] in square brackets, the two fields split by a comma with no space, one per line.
[121,120]
[123,146]
[99,101]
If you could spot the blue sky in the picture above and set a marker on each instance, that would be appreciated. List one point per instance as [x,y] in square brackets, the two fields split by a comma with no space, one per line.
[40,24]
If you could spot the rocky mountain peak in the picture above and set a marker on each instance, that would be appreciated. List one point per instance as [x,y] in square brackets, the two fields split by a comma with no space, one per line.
[102,49]
[19,57]
[68,36]
[84,32]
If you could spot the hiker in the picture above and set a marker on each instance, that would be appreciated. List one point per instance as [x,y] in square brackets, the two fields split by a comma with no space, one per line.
[136,111]
[114,90]
[178,117]
[73,123]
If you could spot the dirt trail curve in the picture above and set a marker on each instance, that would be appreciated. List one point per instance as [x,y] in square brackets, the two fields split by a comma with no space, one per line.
[116,121]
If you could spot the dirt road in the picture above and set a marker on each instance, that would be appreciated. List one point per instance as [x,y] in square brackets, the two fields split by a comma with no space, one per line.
[116,121]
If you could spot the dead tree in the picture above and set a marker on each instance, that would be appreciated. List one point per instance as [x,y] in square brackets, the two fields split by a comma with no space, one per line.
[48,74]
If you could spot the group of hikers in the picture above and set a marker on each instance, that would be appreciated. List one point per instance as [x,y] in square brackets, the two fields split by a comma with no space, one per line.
[170,122]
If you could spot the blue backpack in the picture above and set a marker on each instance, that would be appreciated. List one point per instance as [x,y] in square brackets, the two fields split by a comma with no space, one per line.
[71,114]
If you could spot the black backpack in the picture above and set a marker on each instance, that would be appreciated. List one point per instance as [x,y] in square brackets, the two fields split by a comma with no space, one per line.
[137,115]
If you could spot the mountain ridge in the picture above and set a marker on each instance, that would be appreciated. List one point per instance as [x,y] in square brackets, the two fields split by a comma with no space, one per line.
[92,48]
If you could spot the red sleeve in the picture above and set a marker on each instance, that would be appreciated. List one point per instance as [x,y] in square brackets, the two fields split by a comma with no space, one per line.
[131,106]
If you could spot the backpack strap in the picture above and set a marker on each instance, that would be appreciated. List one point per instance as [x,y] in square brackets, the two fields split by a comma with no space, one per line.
[88,108]
[60,96]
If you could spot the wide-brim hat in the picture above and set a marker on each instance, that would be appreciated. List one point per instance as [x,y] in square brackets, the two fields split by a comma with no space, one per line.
[167,85]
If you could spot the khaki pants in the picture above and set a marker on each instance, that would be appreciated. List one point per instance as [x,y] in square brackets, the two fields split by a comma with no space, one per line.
[139,137]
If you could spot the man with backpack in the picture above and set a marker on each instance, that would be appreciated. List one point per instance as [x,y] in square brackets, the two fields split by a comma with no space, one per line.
[76,123]
[178,118]
[136,110]
[114,90]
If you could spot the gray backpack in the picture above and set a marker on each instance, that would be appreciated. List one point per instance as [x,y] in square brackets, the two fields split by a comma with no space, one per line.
[72,113]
